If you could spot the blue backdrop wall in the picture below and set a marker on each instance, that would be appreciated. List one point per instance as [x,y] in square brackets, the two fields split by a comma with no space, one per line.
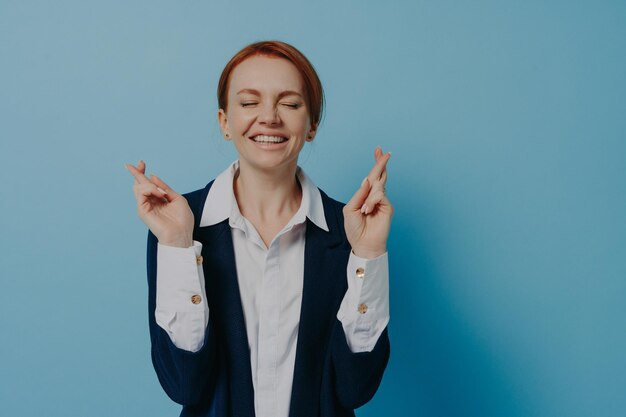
[508,246]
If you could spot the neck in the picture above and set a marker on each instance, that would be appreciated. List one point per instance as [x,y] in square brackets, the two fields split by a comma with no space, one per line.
[267,195]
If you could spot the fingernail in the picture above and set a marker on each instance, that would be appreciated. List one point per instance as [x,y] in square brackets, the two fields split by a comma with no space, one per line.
[363,209]
[162,190]
[364,181]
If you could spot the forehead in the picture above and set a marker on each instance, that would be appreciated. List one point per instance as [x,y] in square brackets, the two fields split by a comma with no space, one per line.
[268,75]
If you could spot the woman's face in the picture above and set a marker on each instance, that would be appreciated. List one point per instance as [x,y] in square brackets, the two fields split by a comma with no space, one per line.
[267,117]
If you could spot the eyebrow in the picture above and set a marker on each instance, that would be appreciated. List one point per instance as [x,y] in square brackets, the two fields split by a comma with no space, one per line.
[256,92]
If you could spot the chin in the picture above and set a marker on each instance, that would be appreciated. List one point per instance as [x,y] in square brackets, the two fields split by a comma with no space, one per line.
[269,162]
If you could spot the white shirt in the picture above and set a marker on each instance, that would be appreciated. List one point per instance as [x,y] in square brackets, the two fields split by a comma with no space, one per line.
[270,284]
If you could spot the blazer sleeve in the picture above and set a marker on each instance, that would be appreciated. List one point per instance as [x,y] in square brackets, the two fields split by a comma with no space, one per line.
[357,375]
[183,375]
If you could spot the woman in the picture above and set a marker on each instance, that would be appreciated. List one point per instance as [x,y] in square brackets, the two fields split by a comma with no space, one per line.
[267,297]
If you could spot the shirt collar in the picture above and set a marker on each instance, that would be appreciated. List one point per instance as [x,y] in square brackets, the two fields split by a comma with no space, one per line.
[221,204]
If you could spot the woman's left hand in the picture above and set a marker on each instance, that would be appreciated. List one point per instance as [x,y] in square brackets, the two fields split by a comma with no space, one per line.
[367,216]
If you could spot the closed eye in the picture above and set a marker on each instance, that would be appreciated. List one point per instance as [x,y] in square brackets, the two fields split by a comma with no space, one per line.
[247,104]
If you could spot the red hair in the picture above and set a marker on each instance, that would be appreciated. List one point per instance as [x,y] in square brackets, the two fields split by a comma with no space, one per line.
[314,94]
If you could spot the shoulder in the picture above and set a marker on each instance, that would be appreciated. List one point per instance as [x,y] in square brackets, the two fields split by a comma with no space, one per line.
[330,204]
[333,212]
[196,200]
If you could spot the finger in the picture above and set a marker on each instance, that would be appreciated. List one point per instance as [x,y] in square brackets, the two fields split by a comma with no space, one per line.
[148,189]
[145,190]
[373,199]
[161,184]
[383,178]
[377,187]
[379,167]
[169,194]
[359,197]
[384,202]
[135,172]
[378,152]
[141,167]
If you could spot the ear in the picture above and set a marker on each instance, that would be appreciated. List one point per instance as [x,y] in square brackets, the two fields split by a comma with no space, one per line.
[221,118]
[312,133]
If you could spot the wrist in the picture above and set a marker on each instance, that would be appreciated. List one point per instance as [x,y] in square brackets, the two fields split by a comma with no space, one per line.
[368,253]
[182,241]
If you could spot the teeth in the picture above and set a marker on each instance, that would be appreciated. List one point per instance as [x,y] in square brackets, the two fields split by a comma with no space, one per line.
[268,139]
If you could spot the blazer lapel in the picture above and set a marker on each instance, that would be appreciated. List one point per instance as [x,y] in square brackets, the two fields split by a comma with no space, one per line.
[324,270]
[226,312]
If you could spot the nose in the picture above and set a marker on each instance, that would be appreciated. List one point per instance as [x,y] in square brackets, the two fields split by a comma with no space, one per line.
[269,115]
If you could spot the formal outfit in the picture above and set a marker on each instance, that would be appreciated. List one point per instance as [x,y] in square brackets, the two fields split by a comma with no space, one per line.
[239,328]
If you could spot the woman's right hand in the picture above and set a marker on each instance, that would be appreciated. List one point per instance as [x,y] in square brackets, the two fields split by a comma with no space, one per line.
[162,209]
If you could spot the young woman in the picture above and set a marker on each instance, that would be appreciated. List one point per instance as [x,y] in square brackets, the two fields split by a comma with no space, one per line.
[266,296]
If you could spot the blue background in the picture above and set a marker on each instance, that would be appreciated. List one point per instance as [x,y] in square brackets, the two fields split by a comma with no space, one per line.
[508,248]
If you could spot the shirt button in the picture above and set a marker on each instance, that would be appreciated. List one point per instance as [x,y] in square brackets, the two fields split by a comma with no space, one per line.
[199,260]
[362,308]
[360,272]
[196,299]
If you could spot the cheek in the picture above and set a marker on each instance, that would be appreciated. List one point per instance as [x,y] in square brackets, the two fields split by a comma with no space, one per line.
[240,120]
[298,123]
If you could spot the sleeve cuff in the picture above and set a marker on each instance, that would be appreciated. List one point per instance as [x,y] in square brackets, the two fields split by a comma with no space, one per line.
[364,311]
[181,307]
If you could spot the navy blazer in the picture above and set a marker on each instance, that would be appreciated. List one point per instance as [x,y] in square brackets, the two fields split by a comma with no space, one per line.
[329,380]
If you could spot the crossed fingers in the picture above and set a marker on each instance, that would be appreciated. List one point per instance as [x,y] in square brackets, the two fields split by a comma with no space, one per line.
[377,179]
[372,190]
[146,188]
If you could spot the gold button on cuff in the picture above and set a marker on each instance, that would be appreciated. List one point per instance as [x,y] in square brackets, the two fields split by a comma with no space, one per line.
[362,308]
[196,299]
[199,260]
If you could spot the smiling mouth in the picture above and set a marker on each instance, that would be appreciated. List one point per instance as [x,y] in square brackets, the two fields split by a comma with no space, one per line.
[269,139]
